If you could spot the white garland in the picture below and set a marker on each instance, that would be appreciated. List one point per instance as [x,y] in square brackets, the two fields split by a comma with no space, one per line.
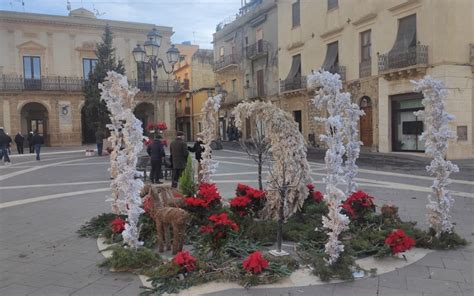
[341,127]
[436,136]
[126,136]
[208,165]
[290,169]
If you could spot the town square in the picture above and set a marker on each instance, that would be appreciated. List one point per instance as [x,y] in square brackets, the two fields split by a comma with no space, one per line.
[297,147]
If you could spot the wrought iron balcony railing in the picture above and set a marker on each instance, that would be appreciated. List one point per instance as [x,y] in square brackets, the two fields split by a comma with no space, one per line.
[336,69]
[61,83]
[293,84]
[393,60]
[365,68]
[253,92]
[226,61]
[258,49]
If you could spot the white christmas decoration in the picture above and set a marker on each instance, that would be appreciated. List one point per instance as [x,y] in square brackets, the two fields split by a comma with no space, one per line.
[341,138]
[436,136]
[290,170]
[126,136]
[208,165]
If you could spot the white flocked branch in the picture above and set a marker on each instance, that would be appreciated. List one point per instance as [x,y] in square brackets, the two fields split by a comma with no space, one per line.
[209,127]
[290,171]
[341,138]
[126,136]
[436,135]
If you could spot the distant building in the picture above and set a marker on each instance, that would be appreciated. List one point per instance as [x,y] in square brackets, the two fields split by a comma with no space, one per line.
[195,74]
[46,59]
[378,47]
[246,59]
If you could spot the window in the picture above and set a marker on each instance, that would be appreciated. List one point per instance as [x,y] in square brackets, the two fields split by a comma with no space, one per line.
[295,11]
[260,84]
[365,44]
[246,40]
[221,51]
[88,66]
[234,84]
[144,76]
[331,62]
[332,4]
[247,80]
[32,67]
[297,118]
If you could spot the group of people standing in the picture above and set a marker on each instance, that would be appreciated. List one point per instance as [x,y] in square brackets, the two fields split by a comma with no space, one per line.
[35,140]
[179,152]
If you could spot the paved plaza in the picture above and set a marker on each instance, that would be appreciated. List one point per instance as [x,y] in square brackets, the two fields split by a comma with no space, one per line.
[42,204]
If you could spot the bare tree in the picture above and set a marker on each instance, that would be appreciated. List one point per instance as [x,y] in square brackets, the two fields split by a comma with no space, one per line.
[258,149]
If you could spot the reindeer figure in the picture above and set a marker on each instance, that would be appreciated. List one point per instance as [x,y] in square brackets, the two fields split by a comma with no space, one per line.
[161,205]
[163,196]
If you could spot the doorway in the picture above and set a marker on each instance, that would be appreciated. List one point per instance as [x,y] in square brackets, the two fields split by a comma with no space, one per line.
[366,127]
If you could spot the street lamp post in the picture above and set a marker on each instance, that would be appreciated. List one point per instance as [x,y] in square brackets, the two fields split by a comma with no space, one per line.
[149,54]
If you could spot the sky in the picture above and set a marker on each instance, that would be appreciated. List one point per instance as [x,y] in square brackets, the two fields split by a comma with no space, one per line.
[192,20]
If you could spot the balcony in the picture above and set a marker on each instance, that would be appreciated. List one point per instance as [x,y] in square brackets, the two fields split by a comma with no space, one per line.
[295,84]
[336,69]
[61,83]
[253,92]
[226,62]
[402,64]
[231,99]
[258,50]
[185,84]
[365,68]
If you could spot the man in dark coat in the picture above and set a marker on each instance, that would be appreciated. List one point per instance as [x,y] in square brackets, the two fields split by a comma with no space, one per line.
[29,138]
[99,140]
[37,142]
[19,141]
[179,156]
[157,153]
[4,142]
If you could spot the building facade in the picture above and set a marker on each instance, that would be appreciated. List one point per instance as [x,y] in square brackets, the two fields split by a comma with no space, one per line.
[378,47]
[195,73]
[46,60]
[246,59]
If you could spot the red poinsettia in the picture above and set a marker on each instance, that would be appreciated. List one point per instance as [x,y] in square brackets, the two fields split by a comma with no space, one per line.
[317,196]
[161,126]
[240,202]
[242,189]
[118,225]
[399,241]
[248,200]
[310,187]
[147,141]
[220,225]
[255,263]
[358,205]
[184,259]
[223,220]
[207,197]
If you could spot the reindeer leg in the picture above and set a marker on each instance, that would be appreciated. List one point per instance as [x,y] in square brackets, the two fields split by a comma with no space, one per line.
[168,237]
[159,234]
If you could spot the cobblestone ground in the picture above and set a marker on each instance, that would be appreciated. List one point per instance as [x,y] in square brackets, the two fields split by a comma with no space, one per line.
[42,204]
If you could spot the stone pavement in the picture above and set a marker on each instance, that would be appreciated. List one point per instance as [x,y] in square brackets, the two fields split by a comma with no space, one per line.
[42,204]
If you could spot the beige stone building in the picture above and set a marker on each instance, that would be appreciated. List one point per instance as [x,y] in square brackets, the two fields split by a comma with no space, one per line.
[246,58]
[378,47]
[45,60]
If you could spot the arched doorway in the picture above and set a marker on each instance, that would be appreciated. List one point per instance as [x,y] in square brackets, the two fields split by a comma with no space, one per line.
[88,128]
[366,128]
[34,117]
[145,112]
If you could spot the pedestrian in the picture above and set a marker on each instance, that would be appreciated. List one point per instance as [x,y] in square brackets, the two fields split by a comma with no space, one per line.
[9,150]
[198,149]
[19,141]
[37,141]
[179,155]
[156,152]
[99,140]
[30,141]
[4,142]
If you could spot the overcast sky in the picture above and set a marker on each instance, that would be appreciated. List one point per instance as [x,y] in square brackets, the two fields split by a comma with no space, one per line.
[192,20]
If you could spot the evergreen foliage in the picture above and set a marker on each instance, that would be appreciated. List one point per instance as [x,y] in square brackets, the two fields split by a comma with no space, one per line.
[97,225]
[127,259]
[186,182]
[95,110]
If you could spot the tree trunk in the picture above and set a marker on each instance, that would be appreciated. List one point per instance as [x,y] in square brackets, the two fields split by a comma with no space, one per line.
[280,220]
[260,185]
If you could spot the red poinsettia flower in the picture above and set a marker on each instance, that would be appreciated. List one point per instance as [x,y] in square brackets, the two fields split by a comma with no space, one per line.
[255,193]
[255,263]
[223,219]
[242,189]
[161,126]
[310,187]
[399,241]
[184,259]
[240,202]
[206,229]
[195,202]
[317,196]
[118,225]
[358,204]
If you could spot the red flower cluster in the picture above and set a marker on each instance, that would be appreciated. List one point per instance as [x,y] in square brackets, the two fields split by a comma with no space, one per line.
[358,205]
[147,142]
[184,259]
[255,263]
[160,126]
[317,196]
[207,197]
[118,225]
[399,241]
[248,200]
[220,225]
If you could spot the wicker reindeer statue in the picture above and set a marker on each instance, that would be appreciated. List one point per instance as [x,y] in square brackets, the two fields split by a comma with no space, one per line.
[160,204]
